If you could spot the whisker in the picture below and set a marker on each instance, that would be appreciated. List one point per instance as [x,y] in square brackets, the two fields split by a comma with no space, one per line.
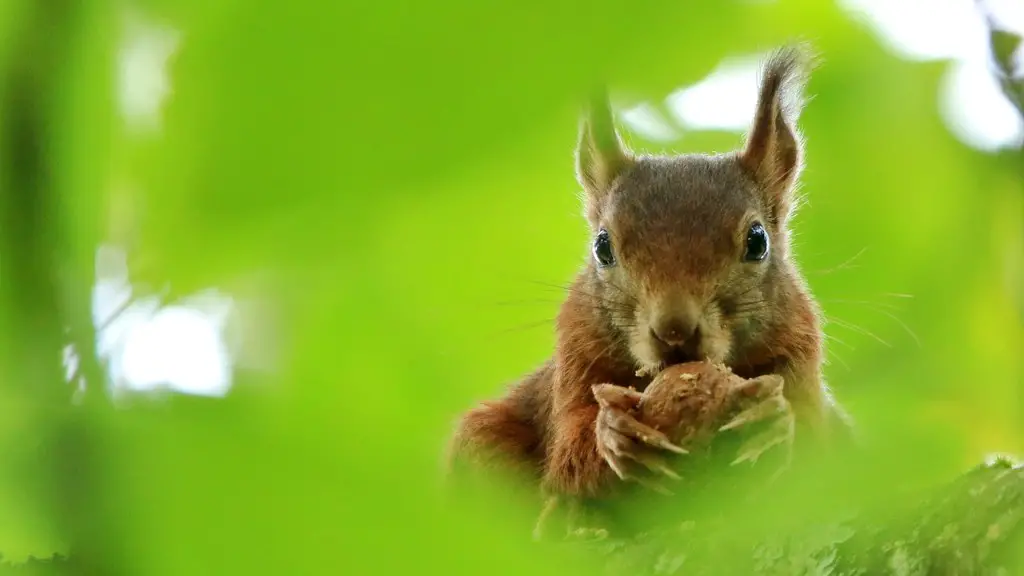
[902,324]
[607,305]
[526,302]
[839,358]
[859,330]
[845,265]
[560,287]
[754,302]
[527,326]
[597,297]
[595,359]
[744,308]
[549,284]
[621,290]
[836,340]
[591,295]
[745,292]
[611,307]
[865,303]
[887,310]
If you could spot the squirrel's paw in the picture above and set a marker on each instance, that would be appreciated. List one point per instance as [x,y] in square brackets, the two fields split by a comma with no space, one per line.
[629,446]
[765,401]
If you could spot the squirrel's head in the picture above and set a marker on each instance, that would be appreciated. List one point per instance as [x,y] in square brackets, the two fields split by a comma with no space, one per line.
[688,250]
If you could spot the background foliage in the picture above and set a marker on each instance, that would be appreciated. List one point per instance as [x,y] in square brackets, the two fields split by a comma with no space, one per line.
[390,186]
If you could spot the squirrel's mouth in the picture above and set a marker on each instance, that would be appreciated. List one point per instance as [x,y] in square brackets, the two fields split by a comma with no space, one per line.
[677,355]
[654,354]
[665,358]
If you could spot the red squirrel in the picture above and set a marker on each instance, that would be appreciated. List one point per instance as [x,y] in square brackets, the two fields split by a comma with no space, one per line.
[690,261]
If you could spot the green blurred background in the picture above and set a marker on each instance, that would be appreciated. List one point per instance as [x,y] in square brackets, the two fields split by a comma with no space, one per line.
[385,192]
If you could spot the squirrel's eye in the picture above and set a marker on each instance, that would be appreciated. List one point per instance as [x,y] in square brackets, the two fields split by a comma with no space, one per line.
[603,249]
[757,243]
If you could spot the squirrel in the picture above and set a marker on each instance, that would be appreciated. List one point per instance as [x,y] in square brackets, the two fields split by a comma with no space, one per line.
[690,260]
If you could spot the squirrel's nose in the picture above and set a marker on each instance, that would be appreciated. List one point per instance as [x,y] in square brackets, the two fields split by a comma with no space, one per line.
[674,330]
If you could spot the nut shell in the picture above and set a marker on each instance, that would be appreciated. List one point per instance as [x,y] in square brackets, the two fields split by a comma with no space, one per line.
[689,402]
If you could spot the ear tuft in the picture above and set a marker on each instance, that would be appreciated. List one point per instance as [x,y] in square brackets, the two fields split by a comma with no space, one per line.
[774,151]
[600,154]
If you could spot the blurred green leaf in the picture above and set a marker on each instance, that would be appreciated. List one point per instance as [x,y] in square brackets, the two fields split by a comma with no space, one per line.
[393,183]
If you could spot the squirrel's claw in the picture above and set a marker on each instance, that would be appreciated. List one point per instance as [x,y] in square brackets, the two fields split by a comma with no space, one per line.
[616,467]
[619,447]
[627,444]
[770,403]
[781,431]
[663,443]
[649,484]
[761,411]
[615,462]
[653,486]
[612,396]
[653,463]
[645,482]
[627,425]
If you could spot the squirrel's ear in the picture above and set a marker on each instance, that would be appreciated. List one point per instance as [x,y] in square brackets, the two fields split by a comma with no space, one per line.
[600,155]
[774,151]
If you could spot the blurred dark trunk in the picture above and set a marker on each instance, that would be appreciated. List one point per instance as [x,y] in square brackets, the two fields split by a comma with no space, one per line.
[47,286]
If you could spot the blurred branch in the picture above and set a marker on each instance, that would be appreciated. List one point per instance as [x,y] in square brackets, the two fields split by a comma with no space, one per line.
[973,526]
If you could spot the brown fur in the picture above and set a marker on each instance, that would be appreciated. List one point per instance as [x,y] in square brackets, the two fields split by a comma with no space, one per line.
[678,226]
